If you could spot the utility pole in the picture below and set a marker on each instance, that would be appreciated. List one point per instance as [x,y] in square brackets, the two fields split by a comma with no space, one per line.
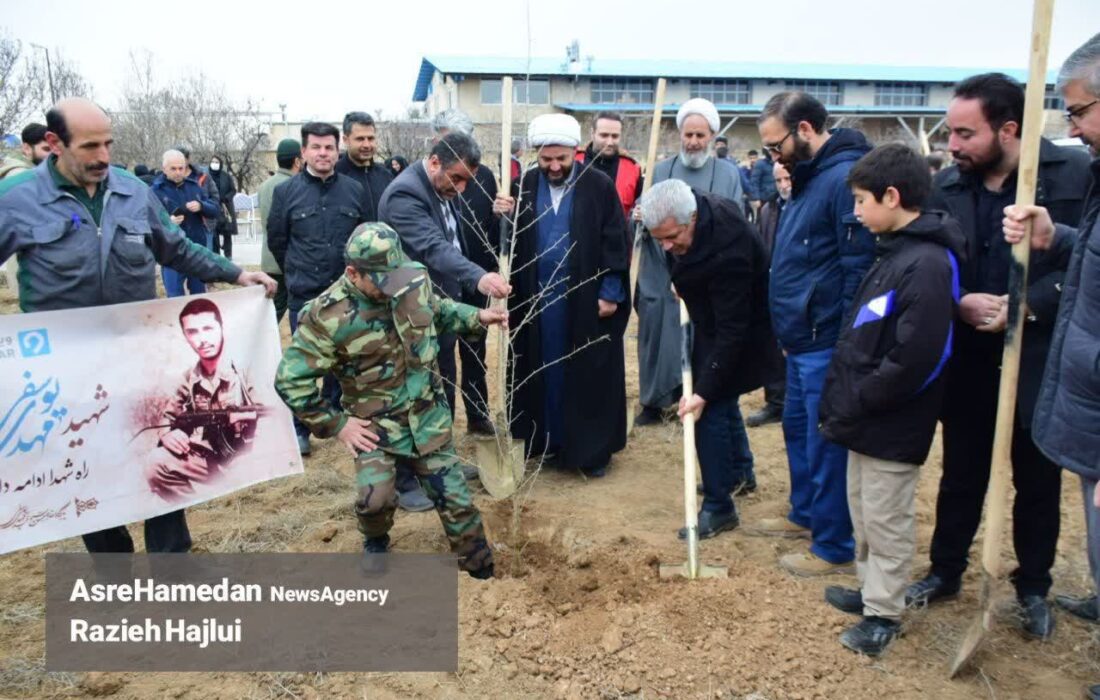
[49,72]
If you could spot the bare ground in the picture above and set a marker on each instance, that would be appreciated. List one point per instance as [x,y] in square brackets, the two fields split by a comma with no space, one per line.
[577,609]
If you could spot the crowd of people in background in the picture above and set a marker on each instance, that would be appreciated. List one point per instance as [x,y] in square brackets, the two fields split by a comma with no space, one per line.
[864,288]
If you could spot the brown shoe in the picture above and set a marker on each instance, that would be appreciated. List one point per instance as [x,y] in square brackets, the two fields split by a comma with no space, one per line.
[809,564]
[778,527]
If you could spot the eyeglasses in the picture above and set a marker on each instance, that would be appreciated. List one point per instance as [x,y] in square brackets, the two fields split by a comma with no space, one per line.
[1072,115]
[774,148]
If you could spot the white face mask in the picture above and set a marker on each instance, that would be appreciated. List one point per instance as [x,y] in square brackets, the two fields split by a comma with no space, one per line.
[215,166]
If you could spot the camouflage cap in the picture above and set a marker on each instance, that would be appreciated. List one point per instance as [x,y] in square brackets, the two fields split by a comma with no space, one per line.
[375,249]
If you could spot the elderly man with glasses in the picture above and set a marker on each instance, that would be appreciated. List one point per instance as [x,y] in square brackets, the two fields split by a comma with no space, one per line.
[821,254]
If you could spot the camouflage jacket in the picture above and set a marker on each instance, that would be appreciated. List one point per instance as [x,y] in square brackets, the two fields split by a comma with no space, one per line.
[384,356]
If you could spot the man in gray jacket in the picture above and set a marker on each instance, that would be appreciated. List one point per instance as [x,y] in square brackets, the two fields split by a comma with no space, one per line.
[1067,412]
[421,204]
[88,234]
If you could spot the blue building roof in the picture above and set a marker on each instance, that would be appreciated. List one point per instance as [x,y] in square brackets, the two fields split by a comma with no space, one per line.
[648,68]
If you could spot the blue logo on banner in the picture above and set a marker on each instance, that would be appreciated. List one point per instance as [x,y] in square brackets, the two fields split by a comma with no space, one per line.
[34,343]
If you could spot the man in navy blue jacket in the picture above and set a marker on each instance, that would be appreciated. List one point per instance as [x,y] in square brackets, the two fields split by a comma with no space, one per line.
[821,254]
[187,203]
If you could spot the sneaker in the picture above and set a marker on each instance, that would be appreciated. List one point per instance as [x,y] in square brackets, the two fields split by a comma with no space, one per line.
[930,589]
[809,564]
[768,414]
[484,573]
[648,416]
[710,524]
[871,636]
[304,448]
[779,527]
[849,600]
[1038,617]
[1085,608]
[414,500]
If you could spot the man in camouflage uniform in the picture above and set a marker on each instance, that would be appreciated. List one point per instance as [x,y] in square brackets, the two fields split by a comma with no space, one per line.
[376,329]
[186,457]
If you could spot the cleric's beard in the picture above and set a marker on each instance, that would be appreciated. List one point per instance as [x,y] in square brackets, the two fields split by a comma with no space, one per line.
[693,160]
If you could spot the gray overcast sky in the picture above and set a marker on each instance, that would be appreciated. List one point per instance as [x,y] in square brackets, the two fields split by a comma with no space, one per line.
[324,58]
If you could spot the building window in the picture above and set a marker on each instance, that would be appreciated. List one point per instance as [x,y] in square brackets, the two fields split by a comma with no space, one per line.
[826,91]
[730,92]
[901,94]
[1053,99]
[623,90]
[524,92]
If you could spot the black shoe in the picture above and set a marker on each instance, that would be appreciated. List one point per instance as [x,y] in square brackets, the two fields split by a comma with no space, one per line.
[648,416]
[374,555]
[930,589]
[484,573]
[744,486]
[480,426]
[1038,618]
[711,524]
[470,472]
[1093,692]
[304,447]
[847,600]
[871,636]
[595,472]
[739,487]
[414,500]
[1085,608]
[768,414]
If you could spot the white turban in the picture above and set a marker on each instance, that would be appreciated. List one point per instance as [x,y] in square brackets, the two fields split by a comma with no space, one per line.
[554,130]
[704,108]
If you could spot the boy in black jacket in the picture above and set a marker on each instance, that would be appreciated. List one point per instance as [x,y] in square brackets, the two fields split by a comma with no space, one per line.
[884,385]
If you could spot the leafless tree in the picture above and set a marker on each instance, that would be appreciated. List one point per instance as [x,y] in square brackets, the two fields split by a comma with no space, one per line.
[194,111]
[408,135]
[21,88]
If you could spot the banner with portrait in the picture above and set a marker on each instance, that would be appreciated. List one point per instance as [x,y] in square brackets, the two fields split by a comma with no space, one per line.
[114,414]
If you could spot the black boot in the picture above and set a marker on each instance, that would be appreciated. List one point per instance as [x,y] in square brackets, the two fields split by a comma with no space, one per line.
[847,600]
[871,636]
[1038,618]
[1085,608]
[710,524]
[930,589]
[484,573]
[374,554]
[768,414]
[1093,692]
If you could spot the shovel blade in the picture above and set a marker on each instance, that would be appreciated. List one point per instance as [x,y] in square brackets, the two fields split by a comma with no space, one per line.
[972,640]
[670,571]
[500,467]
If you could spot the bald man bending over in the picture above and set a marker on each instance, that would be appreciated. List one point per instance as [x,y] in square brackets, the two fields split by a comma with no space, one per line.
[79,247]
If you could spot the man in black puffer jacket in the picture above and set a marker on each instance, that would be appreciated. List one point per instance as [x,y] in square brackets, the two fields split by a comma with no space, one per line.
[719,267]
[884,384]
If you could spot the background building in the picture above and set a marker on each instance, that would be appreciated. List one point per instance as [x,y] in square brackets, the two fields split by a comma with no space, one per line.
[886,102]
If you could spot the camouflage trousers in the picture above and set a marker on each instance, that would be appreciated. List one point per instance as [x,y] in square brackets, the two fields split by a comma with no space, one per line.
[173,477]
[440,474]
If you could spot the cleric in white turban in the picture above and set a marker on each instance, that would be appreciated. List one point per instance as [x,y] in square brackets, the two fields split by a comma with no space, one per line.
[554,130]
[570,304]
